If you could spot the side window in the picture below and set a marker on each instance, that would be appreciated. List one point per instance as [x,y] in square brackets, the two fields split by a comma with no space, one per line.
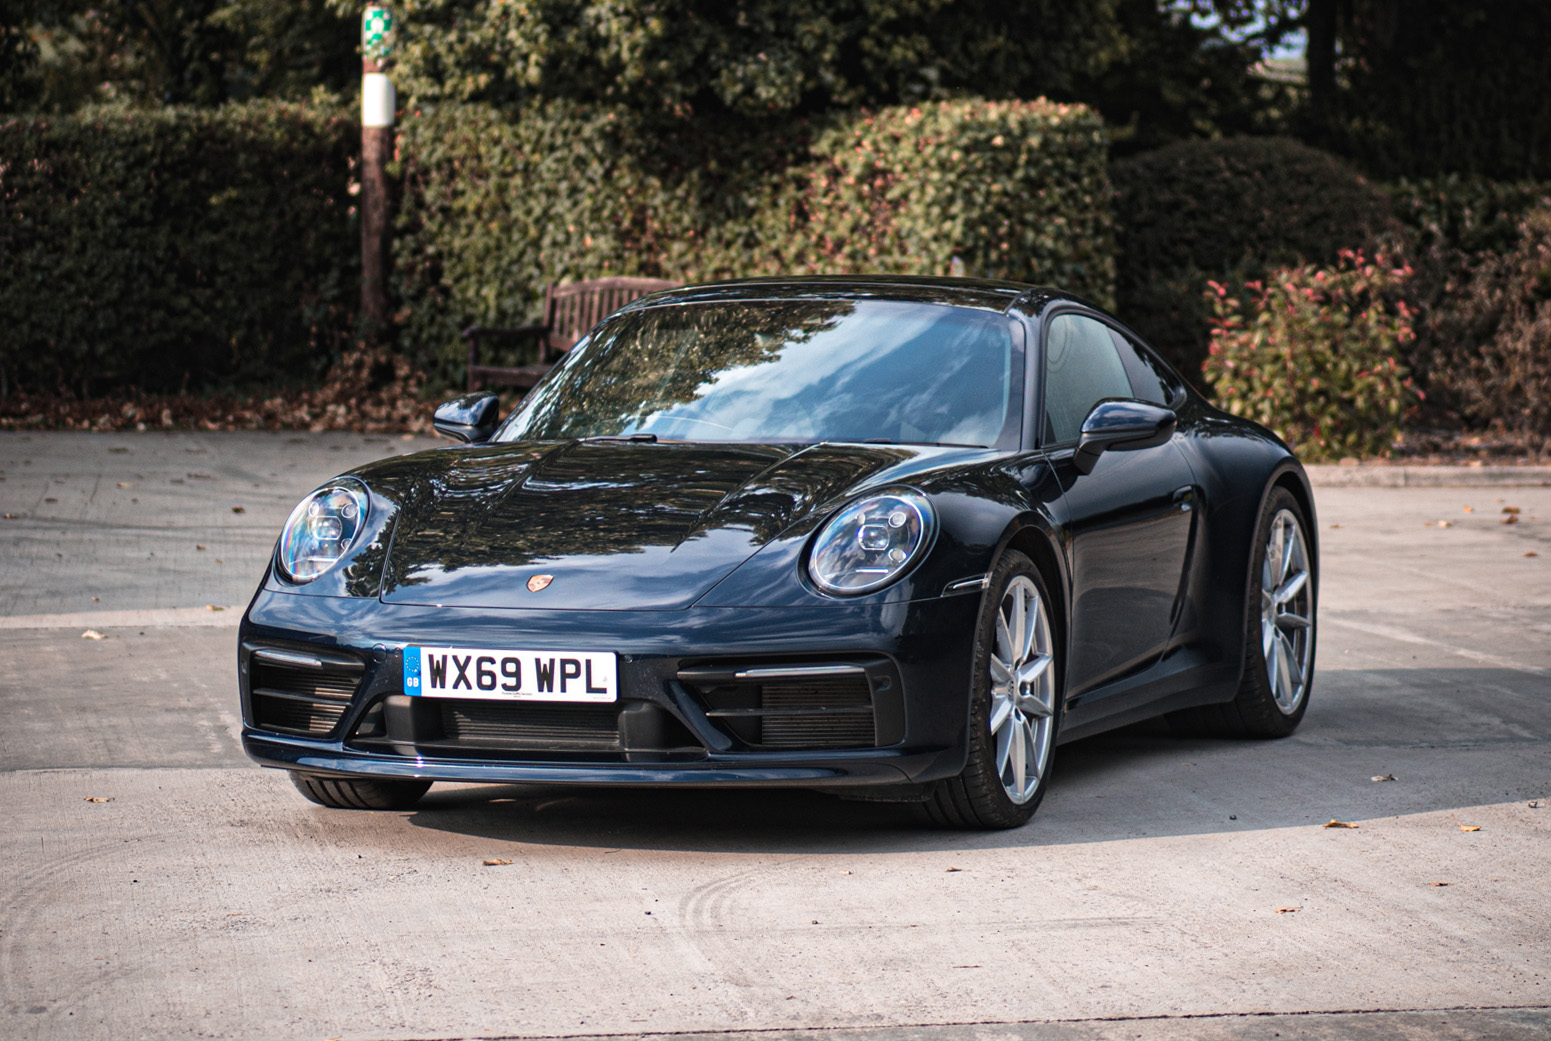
[1082,368]
[1149,382]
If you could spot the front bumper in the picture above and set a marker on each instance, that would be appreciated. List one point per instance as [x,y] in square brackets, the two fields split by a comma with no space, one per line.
[667,729]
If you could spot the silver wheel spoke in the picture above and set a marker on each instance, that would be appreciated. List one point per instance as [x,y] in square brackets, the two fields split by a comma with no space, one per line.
[1031,622]
[1291,588]
[1001,673]
[1001,709]
[1034,696]
[1292,621]
[1019,756]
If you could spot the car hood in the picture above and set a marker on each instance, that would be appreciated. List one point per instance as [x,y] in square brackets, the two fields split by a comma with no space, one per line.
[615,525]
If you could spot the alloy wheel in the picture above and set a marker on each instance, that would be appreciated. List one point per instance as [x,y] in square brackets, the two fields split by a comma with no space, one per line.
[1286,615]
[1023,685]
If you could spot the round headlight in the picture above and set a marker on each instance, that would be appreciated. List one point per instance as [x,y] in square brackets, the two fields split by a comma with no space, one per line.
[871,542]
[322,529]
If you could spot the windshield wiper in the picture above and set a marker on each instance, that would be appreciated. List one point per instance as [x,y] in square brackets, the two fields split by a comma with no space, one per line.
[645,439]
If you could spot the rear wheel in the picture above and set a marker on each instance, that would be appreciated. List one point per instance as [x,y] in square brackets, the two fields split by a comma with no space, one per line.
[359,793]
[1279,638]
[1014,706]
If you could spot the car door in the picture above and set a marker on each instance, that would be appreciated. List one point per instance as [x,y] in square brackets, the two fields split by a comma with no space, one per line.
[1128,522]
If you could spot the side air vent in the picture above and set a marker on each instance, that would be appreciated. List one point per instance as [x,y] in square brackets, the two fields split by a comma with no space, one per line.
[301,692]
[797,706]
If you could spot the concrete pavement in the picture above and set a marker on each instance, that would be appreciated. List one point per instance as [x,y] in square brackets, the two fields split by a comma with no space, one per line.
[1167,889]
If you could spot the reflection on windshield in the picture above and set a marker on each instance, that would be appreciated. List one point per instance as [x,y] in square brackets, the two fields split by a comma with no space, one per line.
[786,370]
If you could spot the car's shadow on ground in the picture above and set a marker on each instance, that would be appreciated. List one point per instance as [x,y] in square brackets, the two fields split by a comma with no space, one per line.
[1447,752]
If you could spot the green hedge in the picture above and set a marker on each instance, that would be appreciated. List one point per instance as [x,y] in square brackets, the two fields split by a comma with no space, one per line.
[1230,210]
[499,203]
[201,248]
[175,248]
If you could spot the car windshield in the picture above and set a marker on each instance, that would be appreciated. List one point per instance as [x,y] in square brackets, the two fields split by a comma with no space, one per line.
[787,370]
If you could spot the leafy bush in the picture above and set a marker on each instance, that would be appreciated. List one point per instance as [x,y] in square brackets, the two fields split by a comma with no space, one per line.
[1467,215]
[1314,353]
[1229,210]
[177,247]
[1486,341]
[498,205]
[755,59]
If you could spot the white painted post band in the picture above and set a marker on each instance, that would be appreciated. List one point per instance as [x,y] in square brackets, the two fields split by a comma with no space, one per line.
[378,100]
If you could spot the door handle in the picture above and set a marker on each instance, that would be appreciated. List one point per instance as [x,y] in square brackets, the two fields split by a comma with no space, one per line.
[1184,499]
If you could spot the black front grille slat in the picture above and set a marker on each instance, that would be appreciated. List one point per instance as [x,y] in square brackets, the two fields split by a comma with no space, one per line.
[299,699]
[315,683]
[496,725]
[294,714]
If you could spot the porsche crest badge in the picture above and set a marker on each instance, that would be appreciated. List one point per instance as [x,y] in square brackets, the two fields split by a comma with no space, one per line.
[539,583]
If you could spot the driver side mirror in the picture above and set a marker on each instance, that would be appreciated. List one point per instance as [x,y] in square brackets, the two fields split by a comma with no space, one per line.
[471,418]
[1121,426]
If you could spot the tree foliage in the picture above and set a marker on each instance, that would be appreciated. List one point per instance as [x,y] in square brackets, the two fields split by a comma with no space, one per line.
[754,58]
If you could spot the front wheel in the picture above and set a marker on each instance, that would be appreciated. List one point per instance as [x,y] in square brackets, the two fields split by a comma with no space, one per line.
[1014,706]
[359,793]
[1279,637]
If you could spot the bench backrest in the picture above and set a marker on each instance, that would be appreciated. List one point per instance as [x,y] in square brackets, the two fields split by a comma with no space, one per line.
[571,310]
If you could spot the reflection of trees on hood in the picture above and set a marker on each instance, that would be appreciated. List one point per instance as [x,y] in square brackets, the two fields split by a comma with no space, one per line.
[533,505]
[662,357]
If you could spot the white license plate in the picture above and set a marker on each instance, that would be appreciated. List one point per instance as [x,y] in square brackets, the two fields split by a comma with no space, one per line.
[507,675]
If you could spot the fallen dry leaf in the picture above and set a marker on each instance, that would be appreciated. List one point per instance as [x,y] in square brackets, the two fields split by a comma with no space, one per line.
[199,547]
[239,509]
[1382,777]
[1288,910]
[1512,518]
[212,607]
[126,484]
[498,862]
[952,869]
[1511,509]
[1335,525]
[97,798]
[1532,553]
[1438,884]
[1470,509]
[12,516]
[1469,827]
[93,634]
[1337,824]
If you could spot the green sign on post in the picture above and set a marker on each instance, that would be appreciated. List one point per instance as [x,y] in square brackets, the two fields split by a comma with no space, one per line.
[376,32]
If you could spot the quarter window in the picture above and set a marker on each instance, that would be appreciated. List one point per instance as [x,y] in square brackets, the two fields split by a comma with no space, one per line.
[1149,381]
[1082,368]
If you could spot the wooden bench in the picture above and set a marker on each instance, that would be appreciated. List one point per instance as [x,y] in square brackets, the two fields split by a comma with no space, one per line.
[570,312]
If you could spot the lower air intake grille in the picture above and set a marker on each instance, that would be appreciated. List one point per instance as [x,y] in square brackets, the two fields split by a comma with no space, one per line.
[846,721]
[483,724]
[303,717]
[301,698]
[833,708]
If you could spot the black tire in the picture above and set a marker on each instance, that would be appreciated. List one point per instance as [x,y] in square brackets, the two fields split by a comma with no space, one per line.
[978,797]
[359,793]
[1254,711]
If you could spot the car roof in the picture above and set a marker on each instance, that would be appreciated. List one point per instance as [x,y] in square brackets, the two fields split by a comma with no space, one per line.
[985,294]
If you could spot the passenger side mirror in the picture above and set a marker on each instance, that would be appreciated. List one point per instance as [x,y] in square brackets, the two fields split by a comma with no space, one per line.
[471,418]
[1121,426]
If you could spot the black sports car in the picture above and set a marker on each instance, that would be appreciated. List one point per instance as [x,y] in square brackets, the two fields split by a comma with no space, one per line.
[892,537]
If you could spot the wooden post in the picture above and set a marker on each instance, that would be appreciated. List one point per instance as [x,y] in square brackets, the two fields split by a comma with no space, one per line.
[378,104]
